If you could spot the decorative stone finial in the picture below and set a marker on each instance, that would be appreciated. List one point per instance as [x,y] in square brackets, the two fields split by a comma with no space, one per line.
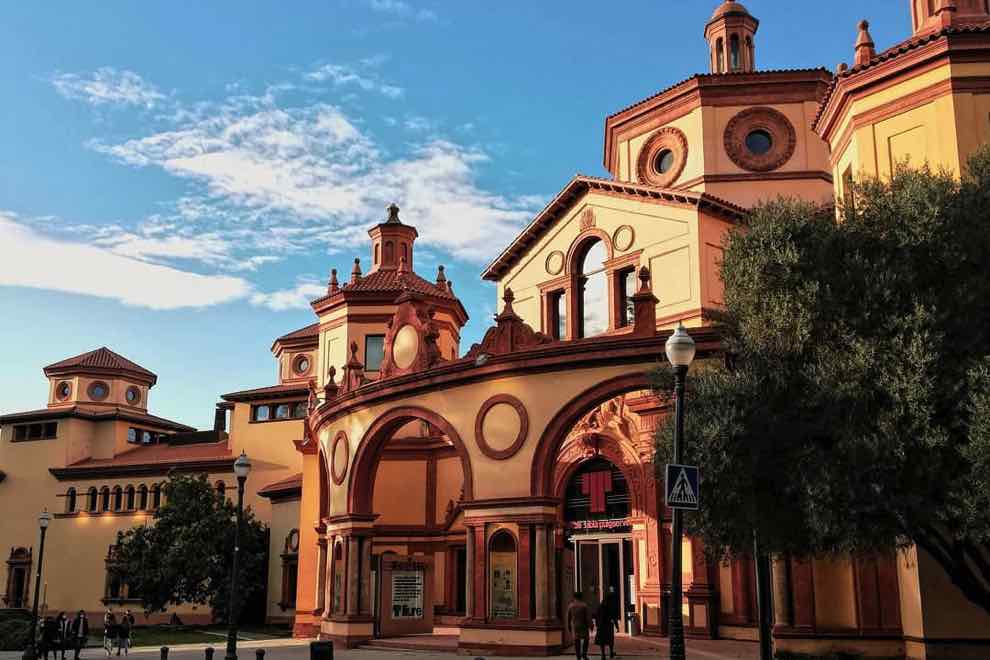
[393,214]
[403,265]
[441,278]
[644,279]
[356,271]
[333,286]
[865,48]
[330,386]
[841,68]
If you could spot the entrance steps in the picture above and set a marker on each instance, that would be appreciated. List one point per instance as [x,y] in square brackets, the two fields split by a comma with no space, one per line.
[432,643]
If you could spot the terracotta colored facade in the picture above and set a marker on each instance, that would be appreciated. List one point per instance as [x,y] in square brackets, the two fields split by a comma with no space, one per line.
[409,480]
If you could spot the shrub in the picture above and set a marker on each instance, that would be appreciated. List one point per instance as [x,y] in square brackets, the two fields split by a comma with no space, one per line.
[14,634]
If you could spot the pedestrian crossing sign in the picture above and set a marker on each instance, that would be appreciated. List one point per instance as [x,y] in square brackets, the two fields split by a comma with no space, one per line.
[682,487]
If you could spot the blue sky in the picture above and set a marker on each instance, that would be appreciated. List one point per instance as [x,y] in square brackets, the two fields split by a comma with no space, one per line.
[177,179]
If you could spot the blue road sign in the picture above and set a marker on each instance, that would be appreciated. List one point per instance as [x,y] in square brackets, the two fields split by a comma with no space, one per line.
[682,487]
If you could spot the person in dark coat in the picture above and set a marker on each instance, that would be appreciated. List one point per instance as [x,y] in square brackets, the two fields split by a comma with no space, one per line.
[63,632]
[80,633]
[48,637]
[606,625]
[579,624]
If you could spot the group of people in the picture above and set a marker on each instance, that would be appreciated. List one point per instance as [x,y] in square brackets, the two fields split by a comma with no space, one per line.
[60,634]
[605,623]
[117,632]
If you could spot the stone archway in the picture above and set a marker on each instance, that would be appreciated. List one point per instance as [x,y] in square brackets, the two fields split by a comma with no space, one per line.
[557,431]
[362,483]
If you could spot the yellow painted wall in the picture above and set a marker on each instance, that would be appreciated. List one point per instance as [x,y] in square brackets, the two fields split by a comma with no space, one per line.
[835,596]
[400,492]
[691,125]
[284,518]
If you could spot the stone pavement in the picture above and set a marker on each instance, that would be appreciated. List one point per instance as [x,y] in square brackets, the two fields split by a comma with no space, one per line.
[299,650]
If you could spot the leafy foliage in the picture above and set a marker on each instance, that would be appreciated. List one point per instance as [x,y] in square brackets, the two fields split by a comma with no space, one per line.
[852,413]
[184,556]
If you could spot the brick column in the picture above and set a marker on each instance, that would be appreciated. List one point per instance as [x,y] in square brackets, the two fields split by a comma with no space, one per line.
[541,574]
[365,604]
[522,562]
[352,580]
[480,577]
[469,574]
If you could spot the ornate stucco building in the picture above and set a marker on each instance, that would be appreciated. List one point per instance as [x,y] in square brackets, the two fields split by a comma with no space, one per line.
[410,481]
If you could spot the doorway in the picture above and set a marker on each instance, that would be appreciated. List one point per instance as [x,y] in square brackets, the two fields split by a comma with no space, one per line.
[606,573]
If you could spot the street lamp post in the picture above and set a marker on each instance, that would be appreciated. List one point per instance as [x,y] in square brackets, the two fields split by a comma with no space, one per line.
[680,352]
[30,653]
[242,466]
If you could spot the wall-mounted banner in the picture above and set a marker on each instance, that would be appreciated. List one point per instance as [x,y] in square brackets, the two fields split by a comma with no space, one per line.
[407,594]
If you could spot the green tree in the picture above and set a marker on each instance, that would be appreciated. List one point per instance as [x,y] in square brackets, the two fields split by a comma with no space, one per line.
[184,555]
[852,411]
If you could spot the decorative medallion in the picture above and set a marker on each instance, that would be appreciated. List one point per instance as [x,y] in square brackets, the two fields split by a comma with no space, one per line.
[555,262]
[405,346]
[339,454]
[623,238]
[587,218]
[760,139]
[501,426]
[662,158]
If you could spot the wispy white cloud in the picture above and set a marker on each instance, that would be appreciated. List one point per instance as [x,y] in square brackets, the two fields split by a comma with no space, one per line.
[402,9]
[341,75]
[29,258]
[108,86]
[297,297]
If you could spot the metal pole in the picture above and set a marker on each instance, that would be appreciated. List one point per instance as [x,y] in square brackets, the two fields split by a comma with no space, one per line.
[676,620]
[763,599]
[232,602]
[30,653]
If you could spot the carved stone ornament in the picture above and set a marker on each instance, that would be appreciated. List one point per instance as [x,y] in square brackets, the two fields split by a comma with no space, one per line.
[510,333]
[506,449]
[669,139]
[587,218]
[413,315]
[353,372]
[555,262]
[780,129]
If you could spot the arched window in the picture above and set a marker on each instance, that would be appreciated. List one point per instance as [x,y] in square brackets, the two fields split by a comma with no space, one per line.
[719,56]
[389,252]
[751,53]
[221,489]
[593,285]
[376,254]
[91,500]
[142,497]
[118,498]
[156,496]
[105,499]
[405,253]
[734,53]
[130,498]
[70,500]
[503,575]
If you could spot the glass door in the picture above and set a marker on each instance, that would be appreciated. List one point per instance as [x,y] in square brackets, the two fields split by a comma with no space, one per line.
[589,573]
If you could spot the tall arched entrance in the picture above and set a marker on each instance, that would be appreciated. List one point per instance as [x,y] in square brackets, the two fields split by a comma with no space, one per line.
[411,476]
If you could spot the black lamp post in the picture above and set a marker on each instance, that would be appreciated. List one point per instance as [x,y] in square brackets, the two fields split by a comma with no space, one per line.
[242,466]
[30,653]
[680,352]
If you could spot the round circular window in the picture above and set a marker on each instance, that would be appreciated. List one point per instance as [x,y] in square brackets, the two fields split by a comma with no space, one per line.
[662,157]
[759,142]
[760,139]
[63,390]
[98,390]
[133,395]
[664,161]
[301,364]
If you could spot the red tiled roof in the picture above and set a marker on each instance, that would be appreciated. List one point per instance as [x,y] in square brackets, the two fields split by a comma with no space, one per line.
[271,392]
[283,487]
[895,51]
[392,281]
[153,458]
[311,330]
[101,359]
[581,184]
[95,414]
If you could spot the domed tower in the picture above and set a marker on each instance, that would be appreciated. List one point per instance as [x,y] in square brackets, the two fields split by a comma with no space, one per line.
[392,243]
[731,33]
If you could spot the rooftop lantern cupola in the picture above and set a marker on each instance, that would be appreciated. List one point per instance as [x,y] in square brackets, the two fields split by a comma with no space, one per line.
[931,15]
[731,34]
[392,243]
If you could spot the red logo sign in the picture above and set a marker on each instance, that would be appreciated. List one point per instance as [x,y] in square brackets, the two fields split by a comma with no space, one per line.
[596,484]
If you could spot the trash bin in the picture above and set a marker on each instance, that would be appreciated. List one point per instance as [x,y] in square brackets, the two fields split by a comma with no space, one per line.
[634,627]
[321,651]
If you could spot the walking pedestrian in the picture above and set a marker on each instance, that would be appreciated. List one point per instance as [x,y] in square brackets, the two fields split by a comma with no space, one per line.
[606,625]
[109,624]
[124,632]
[63,634]
[80,633]
[579,624]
